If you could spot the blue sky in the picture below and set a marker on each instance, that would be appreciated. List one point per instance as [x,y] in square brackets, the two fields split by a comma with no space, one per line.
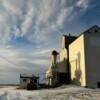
[30,29]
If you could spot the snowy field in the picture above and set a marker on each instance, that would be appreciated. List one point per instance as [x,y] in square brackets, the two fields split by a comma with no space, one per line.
[61,93]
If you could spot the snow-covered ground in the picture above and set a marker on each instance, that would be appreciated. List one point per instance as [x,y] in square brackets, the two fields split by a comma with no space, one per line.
[61,93]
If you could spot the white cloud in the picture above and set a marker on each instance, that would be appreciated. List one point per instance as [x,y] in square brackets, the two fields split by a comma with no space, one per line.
[83,3]
[14,57]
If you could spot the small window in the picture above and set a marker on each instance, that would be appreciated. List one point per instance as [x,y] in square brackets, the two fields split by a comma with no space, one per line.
[98,84]
[95,31]
[24,80]
[64,59]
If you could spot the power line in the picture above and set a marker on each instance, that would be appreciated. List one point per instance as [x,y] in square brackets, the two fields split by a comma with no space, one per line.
[14,63]
[8,60]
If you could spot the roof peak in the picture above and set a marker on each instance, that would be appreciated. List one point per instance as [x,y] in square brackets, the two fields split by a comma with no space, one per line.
[95,27]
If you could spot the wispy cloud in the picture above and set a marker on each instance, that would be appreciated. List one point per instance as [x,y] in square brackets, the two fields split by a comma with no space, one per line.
[36,19]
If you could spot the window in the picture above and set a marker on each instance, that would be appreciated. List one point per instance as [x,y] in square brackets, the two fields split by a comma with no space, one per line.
[95,31]
[24,80]
[98,84]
